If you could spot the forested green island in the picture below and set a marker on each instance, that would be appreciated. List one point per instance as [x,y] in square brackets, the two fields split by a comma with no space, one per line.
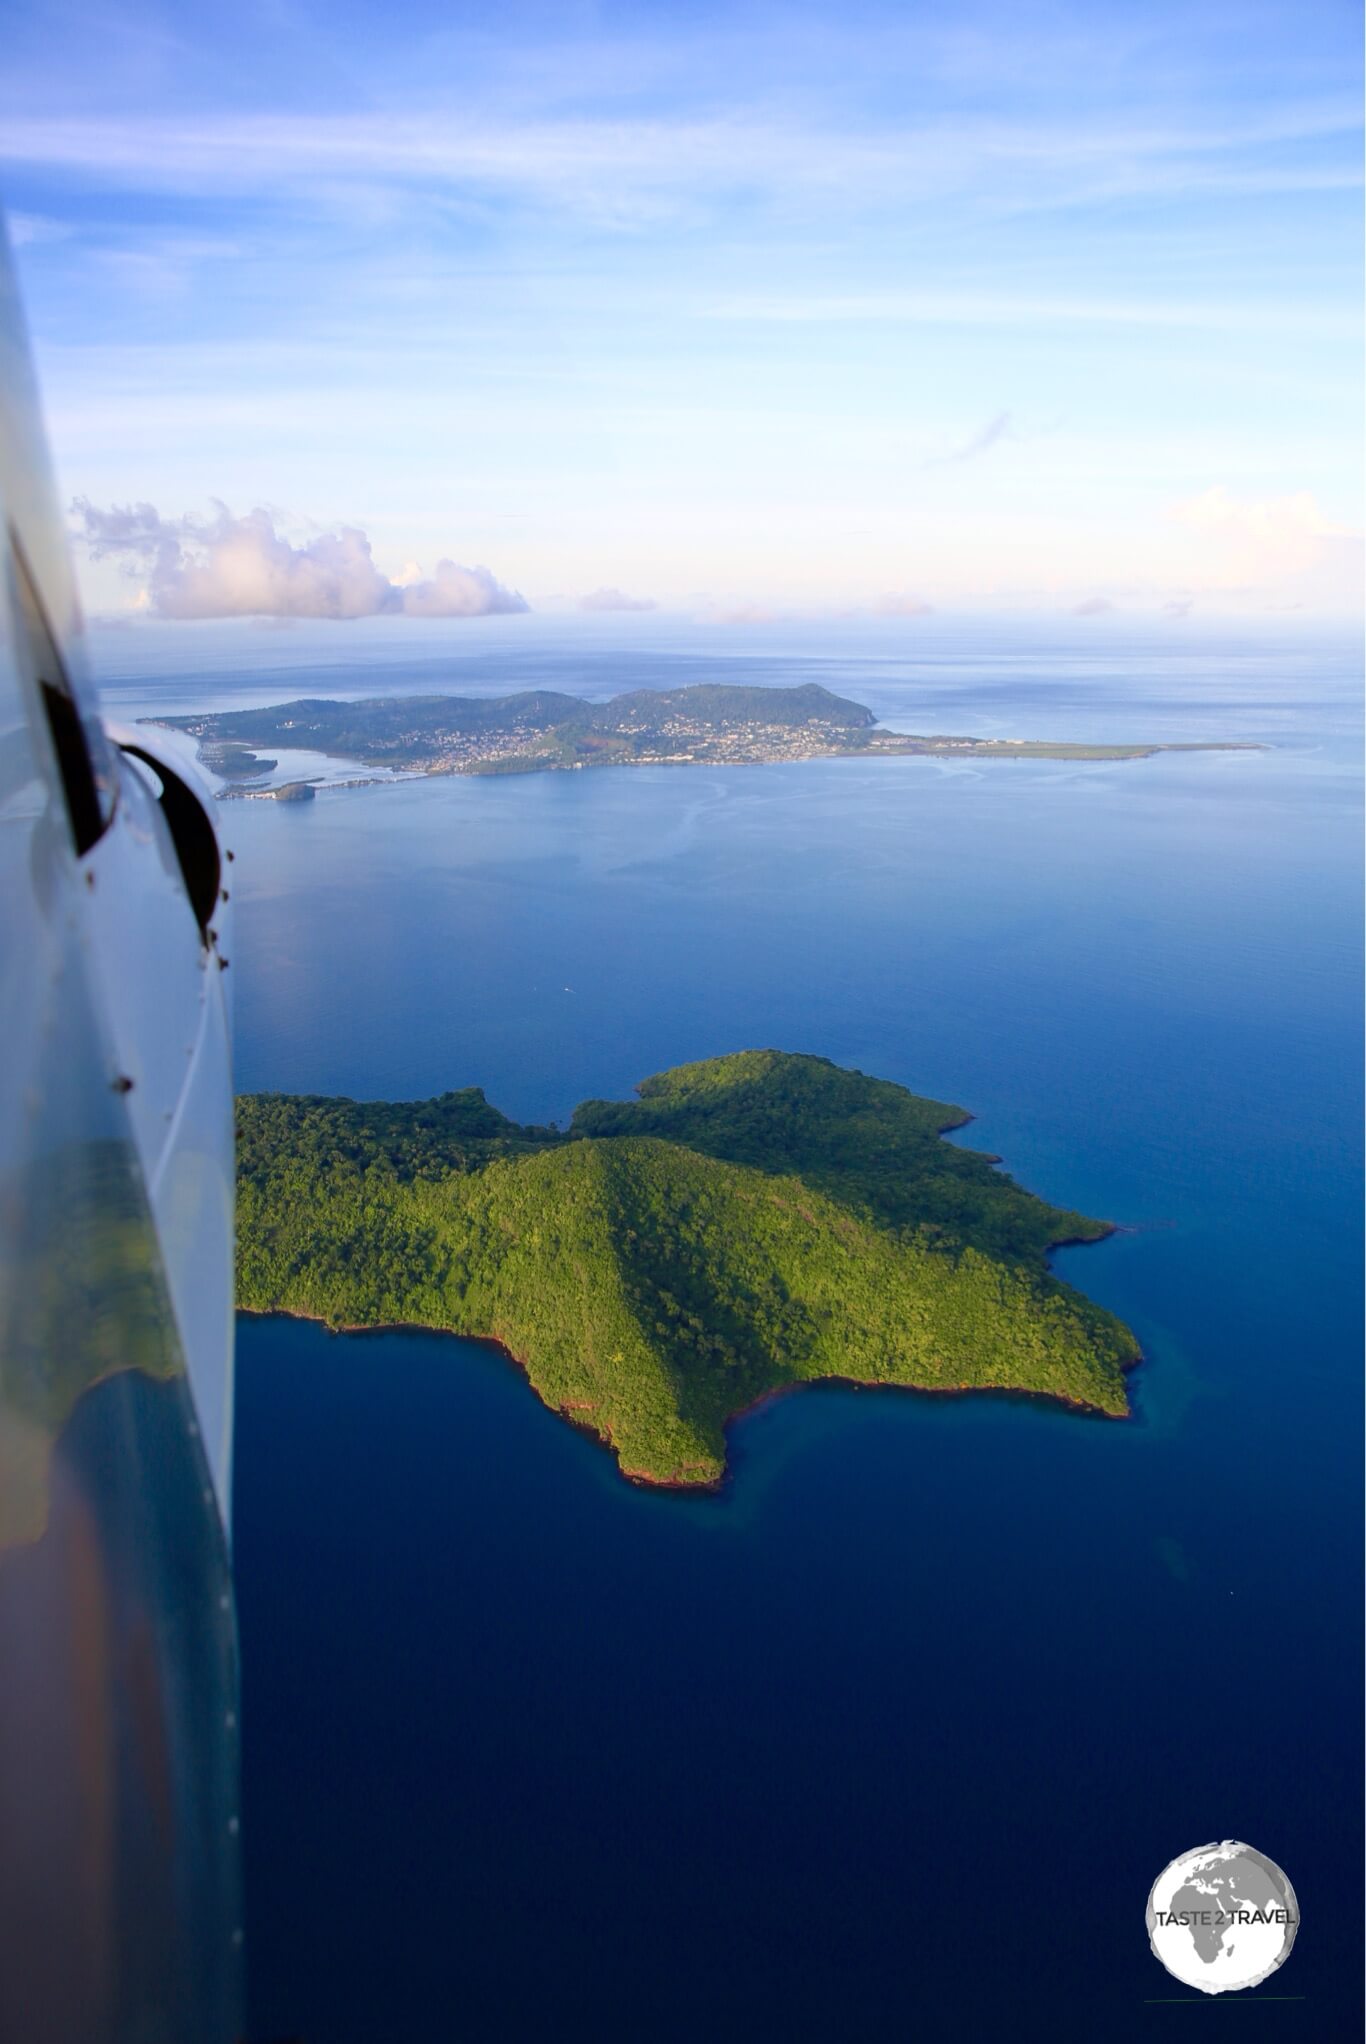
[748,1224]
[542,729]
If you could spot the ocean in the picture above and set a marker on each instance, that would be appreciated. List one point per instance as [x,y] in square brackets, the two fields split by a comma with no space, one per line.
[893,1736]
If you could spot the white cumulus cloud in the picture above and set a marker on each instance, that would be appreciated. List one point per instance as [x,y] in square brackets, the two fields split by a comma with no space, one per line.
[453,591]
[1284,547]
[242,567]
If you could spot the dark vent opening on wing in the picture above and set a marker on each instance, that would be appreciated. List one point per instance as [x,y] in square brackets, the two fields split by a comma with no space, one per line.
[192,834]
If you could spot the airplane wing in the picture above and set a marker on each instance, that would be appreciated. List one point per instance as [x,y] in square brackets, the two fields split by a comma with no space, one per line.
[119,1866]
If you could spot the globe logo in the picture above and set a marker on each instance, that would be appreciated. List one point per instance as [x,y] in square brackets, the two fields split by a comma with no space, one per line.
[1222,1917]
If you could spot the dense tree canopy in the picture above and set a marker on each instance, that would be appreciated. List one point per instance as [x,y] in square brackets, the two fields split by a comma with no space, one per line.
[750,1222]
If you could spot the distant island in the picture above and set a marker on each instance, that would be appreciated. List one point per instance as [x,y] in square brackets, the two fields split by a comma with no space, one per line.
[748,1224]
[540,730]
[233,762]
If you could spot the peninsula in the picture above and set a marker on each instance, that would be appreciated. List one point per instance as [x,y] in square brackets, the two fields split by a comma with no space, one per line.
[748,1224]
[540,730]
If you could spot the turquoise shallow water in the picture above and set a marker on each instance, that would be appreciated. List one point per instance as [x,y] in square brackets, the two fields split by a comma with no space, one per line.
[895,1734]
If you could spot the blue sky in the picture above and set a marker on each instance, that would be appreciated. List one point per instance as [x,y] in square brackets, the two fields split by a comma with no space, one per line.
[734,311]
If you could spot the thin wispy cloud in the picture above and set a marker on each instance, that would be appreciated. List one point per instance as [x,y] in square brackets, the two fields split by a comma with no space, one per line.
[243,567]
[31,230]
[615,599]
[739,614]
[997,308]
[622,166]
[991,434]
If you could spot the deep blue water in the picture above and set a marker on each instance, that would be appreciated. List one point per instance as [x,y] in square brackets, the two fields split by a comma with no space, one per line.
[891,1738]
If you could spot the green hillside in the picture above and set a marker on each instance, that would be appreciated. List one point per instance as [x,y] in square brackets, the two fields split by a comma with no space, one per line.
[725,703]
[752,1222]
